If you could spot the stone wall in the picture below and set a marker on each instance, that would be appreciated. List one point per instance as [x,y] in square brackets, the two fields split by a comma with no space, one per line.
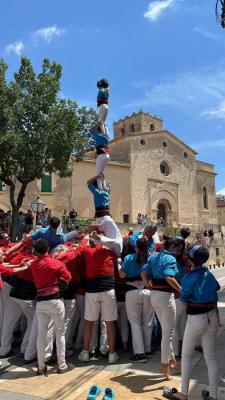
[119,177]
[58,200]
[136,123]
[148,151]
[120,150]
[206,179]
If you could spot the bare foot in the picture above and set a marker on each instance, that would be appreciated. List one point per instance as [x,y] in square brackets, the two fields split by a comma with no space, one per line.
[175,365]
[166,372]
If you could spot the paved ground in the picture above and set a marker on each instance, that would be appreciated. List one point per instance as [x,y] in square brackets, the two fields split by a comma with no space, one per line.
[130,381]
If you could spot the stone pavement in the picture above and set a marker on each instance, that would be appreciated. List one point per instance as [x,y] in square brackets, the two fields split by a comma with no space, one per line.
[130,381]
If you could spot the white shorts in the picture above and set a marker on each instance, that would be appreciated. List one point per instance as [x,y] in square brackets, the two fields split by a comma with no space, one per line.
[101,304]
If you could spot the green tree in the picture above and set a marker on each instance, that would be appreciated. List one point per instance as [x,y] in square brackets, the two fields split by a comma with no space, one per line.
[38,130]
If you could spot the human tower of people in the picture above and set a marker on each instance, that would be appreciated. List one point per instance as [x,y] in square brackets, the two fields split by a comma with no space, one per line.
[62,288]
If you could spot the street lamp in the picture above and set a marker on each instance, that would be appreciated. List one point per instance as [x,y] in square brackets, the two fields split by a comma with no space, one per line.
[37,206]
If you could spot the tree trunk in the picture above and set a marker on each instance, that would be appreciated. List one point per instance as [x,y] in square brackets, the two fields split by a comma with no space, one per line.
[15,208]
[14,225]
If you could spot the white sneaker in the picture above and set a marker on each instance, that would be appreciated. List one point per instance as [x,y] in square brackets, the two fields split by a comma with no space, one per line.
[113,358]
[84,356]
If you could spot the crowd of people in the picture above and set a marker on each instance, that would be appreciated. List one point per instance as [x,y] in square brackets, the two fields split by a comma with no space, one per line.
[25,221]
[85,288]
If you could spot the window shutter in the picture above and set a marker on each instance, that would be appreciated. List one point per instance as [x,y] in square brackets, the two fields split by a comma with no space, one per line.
[46,183]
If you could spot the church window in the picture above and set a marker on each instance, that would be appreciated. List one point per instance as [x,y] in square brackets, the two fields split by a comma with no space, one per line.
[205,198]
[132,128]
[152,127]
[185,155]
[165,144]
[164,168]
[122,131]
[126,218]
[143,142]
[46,183]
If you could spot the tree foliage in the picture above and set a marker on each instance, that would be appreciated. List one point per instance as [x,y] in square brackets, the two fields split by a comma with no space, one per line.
[38,130]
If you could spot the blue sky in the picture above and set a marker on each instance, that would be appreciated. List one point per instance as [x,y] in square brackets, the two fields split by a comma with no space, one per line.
[166,57]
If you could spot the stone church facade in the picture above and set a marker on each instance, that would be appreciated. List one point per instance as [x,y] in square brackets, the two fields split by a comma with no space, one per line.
[151,172]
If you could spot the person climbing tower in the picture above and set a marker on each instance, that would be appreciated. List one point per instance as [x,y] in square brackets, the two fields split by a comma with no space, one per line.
[102,104]
[102,153]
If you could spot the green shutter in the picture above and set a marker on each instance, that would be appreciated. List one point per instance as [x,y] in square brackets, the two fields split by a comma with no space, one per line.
[1,186]
[46,183]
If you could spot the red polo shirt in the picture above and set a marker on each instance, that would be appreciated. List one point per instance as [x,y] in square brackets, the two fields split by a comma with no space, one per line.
[48,273]
[6,271]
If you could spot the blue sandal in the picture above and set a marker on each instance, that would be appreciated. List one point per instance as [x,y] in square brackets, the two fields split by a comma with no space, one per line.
[94,392]
[109,394]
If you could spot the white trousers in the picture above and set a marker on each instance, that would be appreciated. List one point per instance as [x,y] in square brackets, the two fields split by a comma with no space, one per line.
[140,313]
[180,323]
[80,307]
[47,310]
[15,308]
[164,306]
[4,296]
[2,308]
[70,308]
[122,321]
[31,350]
[101,162]
[202,327]
[103,336]
[103,110]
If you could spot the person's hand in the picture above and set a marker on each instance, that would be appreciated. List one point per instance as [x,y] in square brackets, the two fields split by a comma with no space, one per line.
[26,263]
[81,234]
[26,240]
[2,257]
[95,236]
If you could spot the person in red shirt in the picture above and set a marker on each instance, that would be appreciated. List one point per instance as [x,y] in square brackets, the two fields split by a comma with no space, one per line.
[100,299]
[73,265]
[10,311]
[49,275]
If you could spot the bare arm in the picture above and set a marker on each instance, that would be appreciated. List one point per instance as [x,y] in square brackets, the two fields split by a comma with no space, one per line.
[173,282]
[93,179]
[14,248]
[144,277]
[122,274]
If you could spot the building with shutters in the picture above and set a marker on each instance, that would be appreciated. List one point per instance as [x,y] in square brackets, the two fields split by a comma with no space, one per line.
[151,172]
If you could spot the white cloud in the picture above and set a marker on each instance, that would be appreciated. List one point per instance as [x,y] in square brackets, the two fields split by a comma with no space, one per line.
[49,33]
[221,192]
[218,112]
[201,92]
[16,47]
[205,33]
[218,144]
[156,8]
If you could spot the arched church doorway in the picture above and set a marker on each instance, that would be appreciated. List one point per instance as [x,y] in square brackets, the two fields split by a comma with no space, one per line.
[163,212]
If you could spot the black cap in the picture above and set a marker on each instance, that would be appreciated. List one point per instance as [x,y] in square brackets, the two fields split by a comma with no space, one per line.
[103,83]
[199,253]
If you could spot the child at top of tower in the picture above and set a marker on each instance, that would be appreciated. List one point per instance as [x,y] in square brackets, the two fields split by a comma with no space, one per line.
[102,103]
